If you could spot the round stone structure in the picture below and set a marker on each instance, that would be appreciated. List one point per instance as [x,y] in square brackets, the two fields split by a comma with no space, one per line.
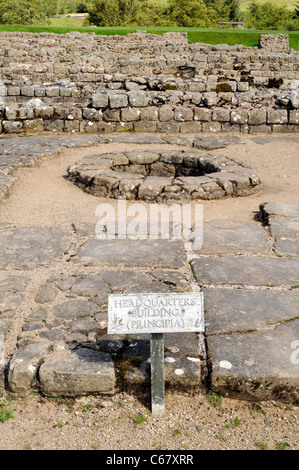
[159,176]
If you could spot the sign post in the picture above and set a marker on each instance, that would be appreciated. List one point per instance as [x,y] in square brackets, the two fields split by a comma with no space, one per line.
[157,374]
[156,314]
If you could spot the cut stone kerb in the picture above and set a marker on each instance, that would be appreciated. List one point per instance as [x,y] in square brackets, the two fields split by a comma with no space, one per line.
[163,175]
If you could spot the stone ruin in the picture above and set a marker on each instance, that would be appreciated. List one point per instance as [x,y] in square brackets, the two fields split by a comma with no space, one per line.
[145,83]
[161,176]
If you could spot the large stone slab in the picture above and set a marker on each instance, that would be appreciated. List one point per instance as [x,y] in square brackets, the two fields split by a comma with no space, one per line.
[213,143]
[277,209]
[142,253]
[284,247]
[23,367]
[229,310]
[283,220]
[78,373]
[26,248]
[221,237]
[257,366]
[247,271]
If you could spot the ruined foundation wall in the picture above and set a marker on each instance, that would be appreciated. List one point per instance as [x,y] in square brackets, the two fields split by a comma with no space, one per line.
[147,83]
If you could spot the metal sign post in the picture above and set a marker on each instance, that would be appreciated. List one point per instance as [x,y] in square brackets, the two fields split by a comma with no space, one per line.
[157,374]
[156,314]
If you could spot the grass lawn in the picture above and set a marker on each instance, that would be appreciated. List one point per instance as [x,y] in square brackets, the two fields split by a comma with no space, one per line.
[208,36]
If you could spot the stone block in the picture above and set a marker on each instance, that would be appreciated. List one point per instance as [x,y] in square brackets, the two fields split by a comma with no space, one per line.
[183,114]
[294,117]
[144,126]
[130,114]
[118,100]
[221,115]
[149,113]
[81,372]
[190,127]
[12,127]
[211,127]
[100,100]
[35,125]
[165,113]
[257,117]
[239,117]
[277,116]
[202,114]
[138,98]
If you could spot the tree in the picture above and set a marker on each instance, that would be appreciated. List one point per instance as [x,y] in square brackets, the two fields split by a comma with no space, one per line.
[125,12]
[49,7]
[296,12]
[226,10]
[191,13]
[21,12]
[234,9]
[267,16]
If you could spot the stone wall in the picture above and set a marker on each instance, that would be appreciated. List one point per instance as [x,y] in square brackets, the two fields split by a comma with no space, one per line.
[147,83]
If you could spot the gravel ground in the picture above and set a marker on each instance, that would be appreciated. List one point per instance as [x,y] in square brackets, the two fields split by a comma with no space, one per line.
[124,422]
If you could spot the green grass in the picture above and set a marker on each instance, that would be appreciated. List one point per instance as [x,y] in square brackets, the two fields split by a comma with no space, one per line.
[6,412]
[66,22]
[209,36]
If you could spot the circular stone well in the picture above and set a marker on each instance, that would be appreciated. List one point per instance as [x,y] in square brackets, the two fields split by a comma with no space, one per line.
[160,176]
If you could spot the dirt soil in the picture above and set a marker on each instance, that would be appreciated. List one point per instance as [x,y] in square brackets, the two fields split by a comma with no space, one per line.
[42,196]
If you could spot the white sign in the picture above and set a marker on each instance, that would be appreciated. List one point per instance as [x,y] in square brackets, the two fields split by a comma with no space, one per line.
[155,313]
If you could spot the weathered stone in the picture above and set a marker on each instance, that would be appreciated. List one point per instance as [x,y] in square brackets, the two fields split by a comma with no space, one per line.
[118,100]
[257,117]
[229,310]
[152,187]
[138,99]
[143,253]
[277,116]
[100,100]
[46,293]
[23,367]
[274,42]
[73,309]
[78,373]
[121,280]
[30,247]
[165,113]
[234,270]
[230,237]
[256,366]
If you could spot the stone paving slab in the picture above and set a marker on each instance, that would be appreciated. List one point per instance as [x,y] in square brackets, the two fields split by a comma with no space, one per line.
[229,310]
[222,237]
[247,271]
[258,365]
[283,222]
[213,143]
[142,253]
[26,248]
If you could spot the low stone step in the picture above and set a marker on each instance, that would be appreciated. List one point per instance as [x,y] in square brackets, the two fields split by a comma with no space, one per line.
[261,365]
[78,372]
